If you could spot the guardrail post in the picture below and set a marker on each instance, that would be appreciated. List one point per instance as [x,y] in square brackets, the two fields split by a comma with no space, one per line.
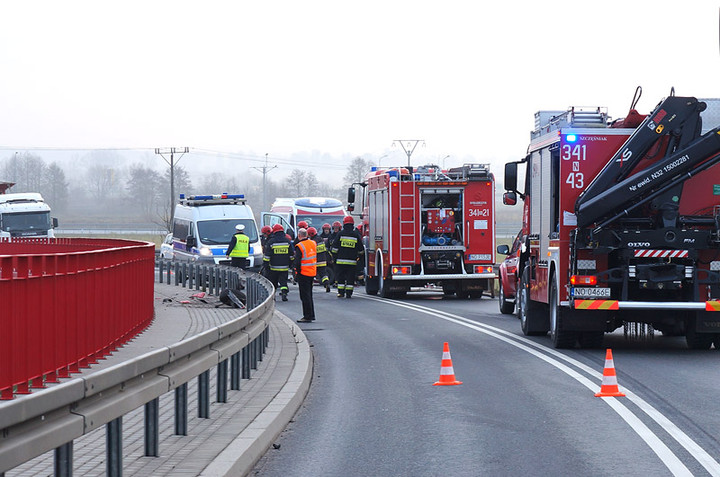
[113,448]
[253,354]
[181,405]
[204,395]
[152,428]
[222,375]
[246,362]
[235,371]
[63,460]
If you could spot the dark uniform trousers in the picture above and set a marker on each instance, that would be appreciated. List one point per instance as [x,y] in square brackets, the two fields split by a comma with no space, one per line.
[345,278]
[305,286]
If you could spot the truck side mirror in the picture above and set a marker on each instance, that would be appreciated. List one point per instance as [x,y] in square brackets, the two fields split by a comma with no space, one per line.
[190,242]
[55,222]
[351,195]
[511,176]
[503,250]
[509,198]
[350,207]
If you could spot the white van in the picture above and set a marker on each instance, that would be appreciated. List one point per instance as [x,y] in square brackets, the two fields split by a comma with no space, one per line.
[204,224]
[316,211]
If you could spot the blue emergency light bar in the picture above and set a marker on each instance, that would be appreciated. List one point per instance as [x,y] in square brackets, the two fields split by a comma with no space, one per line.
[224,195]
[571,138]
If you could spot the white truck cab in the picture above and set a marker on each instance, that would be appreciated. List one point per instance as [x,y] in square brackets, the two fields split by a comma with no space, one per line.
[204,224]
[25,214]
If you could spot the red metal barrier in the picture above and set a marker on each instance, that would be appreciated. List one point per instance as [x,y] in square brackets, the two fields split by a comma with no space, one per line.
[65,303]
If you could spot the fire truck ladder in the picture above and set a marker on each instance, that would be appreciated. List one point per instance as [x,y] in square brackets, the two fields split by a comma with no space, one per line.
[408,234]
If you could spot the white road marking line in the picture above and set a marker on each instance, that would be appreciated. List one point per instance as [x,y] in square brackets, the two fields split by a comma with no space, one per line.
[670,460]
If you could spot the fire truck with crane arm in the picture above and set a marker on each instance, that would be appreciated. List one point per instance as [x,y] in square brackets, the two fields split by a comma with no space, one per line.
[621,224]
[425,226]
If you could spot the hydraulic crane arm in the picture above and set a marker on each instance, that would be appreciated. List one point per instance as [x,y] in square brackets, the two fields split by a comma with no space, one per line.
[676,116]
[701,153]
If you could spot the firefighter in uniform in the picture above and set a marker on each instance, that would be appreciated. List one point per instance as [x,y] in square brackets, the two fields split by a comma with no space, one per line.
[306,267]
[239,248]
[336,226]
[277,251]
[265,231]
[346,250]
[321,258]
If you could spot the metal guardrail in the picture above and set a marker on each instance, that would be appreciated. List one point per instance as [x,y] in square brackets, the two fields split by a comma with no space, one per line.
[51,419]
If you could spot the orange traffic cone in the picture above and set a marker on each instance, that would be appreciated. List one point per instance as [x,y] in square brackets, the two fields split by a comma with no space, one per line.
[609,385]
[447,375]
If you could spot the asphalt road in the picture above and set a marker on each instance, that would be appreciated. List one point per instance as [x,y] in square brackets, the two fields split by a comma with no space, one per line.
[523,408]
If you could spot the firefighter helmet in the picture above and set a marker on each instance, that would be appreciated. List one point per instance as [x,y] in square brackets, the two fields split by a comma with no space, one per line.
[266,229]
[302,224]
[348,220]
[277,228]
[311,232]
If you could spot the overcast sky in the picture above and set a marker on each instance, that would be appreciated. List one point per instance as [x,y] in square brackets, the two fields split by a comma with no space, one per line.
[344,78]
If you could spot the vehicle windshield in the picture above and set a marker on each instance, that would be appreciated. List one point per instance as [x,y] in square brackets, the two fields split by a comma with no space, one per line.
[26,222]
[317,221]
[219,232]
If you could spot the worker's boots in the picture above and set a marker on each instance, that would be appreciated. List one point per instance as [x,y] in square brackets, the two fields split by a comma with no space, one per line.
[341,293]
[327,286]
[284,295]
[348,293]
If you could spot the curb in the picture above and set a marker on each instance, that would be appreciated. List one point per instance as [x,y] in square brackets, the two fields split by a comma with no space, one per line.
[241,455]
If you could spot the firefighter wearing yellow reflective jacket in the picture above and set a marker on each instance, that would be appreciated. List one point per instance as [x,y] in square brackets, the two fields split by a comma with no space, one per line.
[278,253]
[346,249]
[239,248]
[321,258]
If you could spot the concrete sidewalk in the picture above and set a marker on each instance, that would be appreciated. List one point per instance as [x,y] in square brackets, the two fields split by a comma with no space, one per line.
[237,433]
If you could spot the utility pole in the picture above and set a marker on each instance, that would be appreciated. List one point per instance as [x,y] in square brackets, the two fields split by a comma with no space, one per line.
[411,145]
[172,151]
[264,169]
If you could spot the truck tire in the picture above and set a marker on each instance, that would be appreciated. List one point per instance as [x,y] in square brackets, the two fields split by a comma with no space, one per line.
[371,285]
[506,307]
[560,337]
[532,321]
[385,287]
[694,339]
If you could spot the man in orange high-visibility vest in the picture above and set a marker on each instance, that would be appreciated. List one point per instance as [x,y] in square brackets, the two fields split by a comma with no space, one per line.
[306,267]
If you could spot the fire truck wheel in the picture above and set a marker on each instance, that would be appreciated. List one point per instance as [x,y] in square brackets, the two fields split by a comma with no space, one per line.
[384,287]
[529,312]
[371,285]
[694,339]
[506,307]
[560,337]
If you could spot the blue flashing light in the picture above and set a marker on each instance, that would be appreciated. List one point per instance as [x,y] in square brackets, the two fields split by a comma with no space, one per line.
[182,196]
[373,169]
[571,138]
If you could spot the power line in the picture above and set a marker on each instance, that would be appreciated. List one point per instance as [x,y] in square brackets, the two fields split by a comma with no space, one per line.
[264,169]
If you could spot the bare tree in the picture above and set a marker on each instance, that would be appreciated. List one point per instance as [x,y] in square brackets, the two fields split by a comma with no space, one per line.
[143,188]
[54,187]
[356,170]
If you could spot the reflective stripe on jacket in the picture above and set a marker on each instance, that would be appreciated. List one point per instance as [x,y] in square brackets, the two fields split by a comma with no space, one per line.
[308,259]
[242,246]
[277,251]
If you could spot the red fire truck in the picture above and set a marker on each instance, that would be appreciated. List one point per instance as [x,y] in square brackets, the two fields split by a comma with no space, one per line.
[426,226]
[621,224]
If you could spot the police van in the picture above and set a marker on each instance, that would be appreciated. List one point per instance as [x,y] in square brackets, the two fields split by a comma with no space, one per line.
[204,224]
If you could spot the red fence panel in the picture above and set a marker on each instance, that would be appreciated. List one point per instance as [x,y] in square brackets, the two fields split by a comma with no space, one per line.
[65,303]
